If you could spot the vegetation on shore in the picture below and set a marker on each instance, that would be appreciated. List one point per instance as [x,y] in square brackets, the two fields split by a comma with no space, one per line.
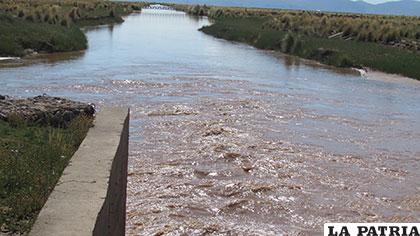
[387,43]
[17,36]
[53,25]
[32,159]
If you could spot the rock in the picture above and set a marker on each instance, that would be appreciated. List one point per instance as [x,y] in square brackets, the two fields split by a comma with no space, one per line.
[2,97]
[218,131]
[261,188]
[214,132]
[231,155]
[4,229]
[247,167]
[29,51]
[44,110]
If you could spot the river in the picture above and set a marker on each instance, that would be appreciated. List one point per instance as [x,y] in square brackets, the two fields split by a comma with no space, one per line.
[226,139]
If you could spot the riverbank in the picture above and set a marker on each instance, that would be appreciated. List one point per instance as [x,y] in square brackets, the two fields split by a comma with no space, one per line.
[343,40]
[38,136]
[20,37]
[54,26]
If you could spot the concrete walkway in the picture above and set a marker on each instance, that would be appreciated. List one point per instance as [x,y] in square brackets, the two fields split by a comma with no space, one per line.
[90,197]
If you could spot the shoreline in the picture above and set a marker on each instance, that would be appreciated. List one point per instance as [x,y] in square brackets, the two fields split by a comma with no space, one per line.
[363,70]
[393,78]
[365,73]
[40,58]
[265,30]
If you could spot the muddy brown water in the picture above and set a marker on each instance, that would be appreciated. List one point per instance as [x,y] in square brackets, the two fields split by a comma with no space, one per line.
[229,140]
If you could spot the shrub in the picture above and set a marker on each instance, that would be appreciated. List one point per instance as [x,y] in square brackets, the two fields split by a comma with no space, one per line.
[390,36]
[65,22]
[21,13]
[30,17]
[287,43]
[74,14]
[112,13]
[297,46]
[344,61]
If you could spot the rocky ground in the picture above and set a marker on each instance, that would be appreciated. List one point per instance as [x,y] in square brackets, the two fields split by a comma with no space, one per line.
[44,109]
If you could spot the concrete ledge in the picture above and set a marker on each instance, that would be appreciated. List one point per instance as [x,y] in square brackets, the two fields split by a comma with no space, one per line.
[90,197]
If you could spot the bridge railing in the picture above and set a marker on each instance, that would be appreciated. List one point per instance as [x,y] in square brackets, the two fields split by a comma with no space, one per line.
[158,7]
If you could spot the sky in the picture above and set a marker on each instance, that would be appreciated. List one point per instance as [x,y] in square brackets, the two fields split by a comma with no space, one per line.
[378,1]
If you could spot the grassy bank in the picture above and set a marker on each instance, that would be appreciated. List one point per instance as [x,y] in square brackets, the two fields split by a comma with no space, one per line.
[386,43]
[16,35]
[53,25]
[32,159]
[335,52]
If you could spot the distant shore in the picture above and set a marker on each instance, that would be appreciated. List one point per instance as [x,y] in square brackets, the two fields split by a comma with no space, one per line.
[330,38]
[54,26]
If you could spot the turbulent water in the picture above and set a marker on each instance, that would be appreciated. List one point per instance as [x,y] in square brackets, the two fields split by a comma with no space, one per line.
[229,140]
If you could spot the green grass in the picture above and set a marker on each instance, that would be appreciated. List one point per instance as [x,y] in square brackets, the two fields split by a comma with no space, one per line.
[32,159]
[103,20]
[16,35]
[398,31]
[337,52]
[53,25]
